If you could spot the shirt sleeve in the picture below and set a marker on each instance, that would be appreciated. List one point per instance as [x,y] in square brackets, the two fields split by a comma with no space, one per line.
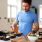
[35,17]
[17,18]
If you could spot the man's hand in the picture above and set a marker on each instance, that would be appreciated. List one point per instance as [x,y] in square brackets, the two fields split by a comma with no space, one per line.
[14,27]
[29,33]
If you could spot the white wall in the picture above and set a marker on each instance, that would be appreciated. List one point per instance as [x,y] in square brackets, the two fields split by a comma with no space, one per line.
[36,2]
[3,8]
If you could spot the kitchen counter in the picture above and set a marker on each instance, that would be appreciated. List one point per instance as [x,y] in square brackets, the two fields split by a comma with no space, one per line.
[4,41]
[22,39]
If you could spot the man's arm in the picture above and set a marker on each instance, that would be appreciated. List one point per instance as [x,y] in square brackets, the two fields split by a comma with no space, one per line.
[35,26]
[14,26]
[15,23]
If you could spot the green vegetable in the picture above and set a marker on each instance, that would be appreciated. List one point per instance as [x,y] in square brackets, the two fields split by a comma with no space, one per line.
[32,35]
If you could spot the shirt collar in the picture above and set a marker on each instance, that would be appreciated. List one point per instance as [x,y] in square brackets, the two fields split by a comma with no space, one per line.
[26,12]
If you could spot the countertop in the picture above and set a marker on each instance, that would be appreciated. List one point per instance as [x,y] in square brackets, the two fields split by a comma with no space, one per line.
[22,39]
[4,41]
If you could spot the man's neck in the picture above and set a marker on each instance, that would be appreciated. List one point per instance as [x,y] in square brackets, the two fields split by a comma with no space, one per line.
[26,11]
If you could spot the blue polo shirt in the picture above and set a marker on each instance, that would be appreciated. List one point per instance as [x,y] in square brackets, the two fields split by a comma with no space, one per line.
[25,21]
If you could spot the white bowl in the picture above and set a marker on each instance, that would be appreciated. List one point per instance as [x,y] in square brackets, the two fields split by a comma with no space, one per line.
[33,38]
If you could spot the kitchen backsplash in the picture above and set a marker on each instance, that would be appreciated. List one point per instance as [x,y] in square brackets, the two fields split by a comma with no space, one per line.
[5,23]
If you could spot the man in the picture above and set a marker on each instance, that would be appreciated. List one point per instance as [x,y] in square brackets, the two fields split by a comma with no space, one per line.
[26,19]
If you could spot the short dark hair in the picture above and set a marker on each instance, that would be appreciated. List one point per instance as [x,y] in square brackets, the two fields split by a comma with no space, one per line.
[27,1]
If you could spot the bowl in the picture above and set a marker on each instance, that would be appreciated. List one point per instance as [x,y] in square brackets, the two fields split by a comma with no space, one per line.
[33,38]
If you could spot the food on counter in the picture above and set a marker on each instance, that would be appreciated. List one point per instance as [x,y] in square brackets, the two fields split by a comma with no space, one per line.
[32,35]
[12,35]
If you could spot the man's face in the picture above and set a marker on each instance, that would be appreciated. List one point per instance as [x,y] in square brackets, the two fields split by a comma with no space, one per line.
[25,6]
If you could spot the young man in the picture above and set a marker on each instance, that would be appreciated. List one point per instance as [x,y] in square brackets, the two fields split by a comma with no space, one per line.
[26,18]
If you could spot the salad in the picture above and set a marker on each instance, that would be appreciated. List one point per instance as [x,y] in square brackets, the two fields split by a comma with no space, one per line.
[32,35]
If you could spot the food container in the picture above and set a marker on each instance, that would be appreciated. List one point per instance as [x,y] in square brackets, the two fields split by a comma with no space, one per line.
[33,38]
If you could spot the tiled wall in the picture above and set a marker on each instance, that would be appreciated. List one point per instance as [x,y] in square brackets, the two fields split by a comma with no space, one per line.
[6,23]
